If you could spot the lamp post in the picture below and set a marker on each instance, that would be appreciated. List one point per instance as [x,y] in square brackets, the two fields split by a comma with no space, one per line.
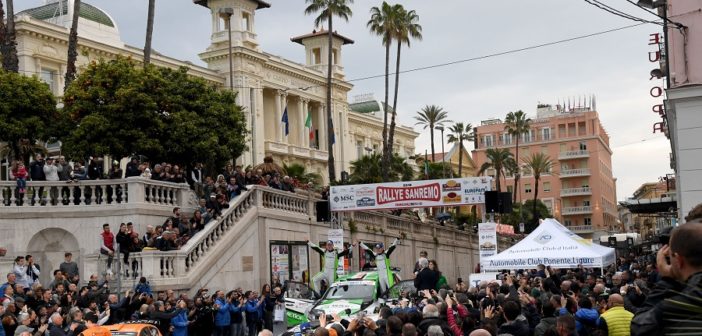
[443,153]
[226,14]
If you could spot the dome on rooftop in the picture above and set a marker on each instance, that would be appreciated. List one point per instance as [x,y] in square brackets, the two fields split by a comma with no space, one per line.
[60,8]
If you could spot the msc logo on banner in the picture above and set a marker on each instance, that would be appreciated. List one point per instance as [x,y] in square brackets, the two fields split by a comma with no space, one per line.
[543,238]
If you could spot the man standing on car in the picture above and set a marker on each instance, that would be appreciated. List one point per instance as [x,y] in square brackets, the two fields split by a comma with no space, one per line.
[330,262]
[382,262]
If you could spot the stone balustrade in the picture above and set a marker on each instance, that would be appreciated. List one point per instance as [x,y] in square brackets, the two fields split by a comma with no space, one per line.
[133,190]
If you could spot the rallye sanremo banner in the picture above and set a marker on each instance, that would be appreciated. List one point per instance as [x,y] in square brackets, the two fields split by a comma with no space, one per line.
[411,194]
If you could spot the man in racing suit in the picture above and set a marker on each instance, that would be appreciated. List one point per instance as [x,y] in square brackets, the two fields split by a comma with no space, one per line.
[330,262]
[382,262]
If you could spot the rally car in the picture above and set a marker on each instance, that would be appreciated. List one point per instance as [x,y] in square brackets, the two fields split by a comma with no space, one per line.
[130,328]
[346,297]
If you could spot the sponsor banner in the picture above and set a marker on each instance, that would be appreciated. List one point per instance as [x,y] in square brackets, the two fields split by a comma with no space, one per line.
[411,194]
[337,236]
[487,240]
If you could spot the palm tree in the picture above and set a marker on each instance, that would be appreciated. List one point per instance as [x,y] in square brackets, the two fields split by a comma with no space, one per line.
[367,169]
[516,124]
[327,10]
[149,32]
[430,117]
[406,29]
[72,46]
[299,173]
[8,47]
[511,168]
[460,133]
[497,158]
[539,163]
[382,23]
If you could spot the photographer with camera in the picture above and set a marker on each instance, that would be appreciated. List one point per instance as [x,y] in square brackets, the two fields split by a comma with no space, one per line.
[672,305]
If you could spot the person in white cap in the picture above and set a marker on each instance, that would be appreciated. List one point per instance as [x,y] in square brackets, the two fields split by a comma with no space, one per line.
[382,262]
[330,262]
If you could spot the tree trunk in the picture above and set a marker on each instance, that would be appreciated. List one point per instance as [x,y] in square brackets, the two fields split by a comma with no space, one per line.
[460,157]
[2,31]
[431,135]
[533,209]
[149,33]
[498,185]
[10,61]
[72,47]
[391,137]
[383,159]
[519,172]
[330,126]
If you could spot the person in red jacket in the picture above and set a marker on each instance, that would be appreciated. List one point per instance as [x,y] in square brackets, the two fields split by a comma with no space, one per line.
[107,246]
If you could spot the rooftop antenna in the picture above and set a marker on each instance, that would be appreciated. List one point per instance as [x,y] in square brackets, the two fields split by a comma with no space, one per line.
[594,103]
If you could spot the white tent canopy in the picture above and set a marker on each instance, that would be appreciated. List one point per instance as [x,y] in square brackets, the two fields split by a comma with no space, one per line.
[551,244]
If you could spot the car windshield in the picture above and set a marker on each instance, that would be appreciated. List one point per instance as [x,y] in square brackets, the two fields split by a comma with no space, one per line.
[351,291]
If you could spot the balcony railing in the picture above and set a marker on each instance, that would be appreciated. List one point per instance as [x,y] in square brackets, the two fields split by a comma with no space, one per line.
[581,210]
[575,172]
[577,154]
[93,193]
[576,191]
[580,228]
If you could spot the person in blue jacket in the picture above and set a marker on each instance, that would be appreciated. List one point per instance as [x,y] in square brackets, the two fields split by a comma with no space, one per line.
[253,313]
[237,306]
[180,322]
[222,317]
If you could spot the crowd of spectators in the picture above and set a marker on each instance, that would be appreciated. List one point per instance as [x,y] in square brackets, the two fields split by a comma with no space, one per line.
[66,308]
[641,294]
[229,182]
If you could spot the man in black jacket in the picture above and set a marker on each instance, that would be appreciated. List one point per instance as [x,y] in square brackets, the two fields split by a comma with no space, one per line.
[426,279]
[36,172]
[673,305]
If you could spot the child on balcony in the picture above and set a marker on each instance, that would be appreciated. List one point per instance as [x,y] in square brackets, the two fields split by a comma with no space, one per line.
[20,174]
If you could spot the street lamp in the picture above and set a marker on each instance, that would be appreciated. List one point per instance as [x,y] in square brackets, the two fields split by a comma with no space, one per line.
[443,153]
[226,14]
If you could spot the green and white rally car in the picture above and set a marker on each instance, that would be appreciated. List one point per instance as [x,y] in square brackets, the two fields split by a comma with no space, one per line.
[347,297]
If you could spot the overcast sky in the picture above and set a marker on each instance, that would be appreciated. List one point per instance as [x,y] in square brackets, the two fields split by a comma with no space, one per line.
[614,66]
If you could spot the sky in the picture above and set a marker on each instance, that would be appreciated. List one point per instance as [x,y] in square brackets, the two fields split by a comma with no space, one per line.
[614,66]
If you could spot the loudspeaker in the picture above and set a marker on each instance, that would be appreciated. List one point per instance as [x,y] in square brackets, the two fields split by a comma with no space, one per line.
[505,205]
[322,208]
[612,241]
[492,202]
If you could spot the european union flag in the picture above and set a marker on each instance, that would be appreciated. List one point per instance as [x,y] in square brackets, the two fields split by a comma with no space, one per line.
[285,120]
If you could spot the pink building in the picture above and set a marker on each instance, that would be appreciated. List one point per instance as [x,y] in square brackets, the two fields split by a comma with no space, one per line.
[580,192]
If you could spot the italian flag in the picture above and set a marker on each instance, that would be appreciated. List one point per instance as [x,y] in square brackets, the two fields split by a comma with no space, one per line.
[308,124]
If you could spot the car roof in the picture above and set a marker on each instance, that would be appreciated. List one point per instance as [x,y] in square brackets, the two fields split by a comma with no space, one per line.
[366,276]
[96,331]
[128,327]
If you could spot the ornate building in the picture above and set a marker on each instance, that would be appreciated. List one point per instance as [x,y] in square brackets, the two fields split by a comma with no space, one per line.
[269,86]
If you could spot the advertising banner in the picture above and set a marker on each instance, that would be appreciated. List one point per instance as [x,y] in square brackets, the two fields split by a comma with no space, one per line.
[487,240]
[411,194]
[337,236]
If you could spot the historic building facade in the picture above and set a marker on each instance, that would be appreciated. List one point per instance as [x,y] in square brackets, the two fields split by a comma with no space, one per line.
[268,86]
